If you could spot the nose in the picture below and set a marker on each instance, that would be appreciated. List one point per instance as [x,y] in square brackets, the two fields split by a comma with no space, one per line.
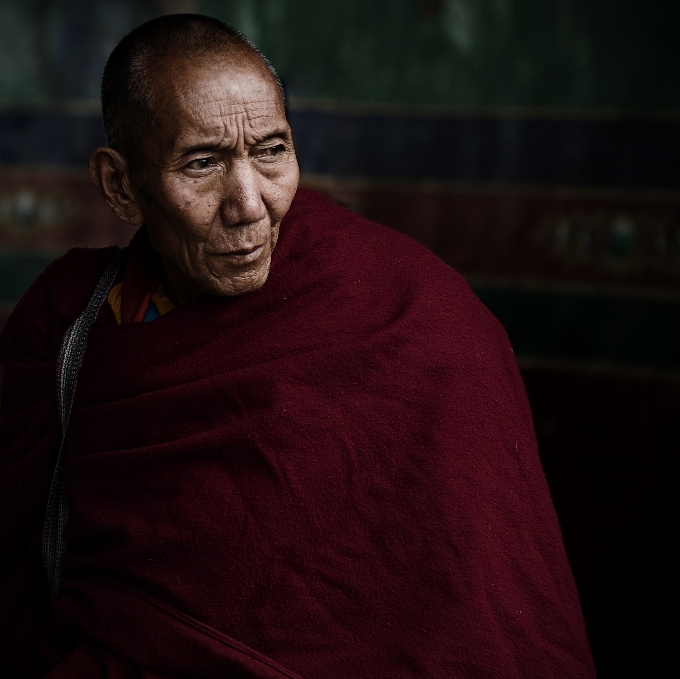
[242,202]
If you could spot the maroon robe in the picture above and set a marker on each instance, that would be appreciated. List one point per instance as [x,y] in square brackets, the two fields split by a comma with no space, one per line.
[335,476]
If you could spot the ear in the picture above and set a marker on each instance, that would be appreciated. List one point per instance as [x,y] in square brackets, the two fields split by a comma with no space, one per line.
[111,174]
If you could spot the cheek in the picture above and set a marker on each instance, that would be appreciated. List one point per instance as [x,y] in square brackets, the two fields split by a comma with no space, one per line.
[282,192]
[193,205]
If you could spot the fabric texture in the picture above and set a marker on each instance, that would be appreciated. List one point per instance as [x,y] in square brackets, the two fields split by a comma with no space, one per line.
[114,300]
[162,303]
[157,305]
[142,286]
[334,476]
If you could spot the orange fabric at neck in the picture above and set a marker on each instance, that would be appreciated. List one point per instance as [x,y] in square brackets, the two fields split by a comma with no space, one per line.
[141,284]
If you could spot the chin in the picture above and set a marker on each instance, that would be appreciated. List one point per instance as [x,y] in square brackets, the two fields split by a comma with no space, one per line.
[233,286]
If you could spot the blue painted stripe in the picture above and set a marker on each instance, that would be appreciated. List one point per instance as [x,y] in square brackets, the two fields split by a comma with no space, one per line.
[555,152]
[588,153]
[39,137]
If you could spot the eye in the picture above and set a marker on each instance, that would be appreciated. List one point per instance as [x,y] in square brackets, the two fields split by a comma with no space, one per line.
[201,164]
[271,151]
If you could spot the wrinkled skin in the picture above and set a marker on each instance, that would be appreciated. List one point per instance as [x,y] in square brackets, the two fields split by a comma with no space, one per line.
[220,174]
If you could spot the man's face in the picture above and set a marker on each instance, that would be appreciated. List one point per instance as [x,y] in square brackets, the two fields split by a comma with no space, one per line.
[221,174]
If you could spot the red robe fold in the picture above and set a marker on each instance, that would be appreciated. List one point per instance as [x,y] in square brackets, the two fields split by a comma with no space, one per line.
[335,476]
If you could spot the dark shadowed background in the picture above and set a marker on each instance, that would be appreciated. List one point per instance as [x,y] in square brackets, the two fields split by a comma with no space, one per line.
[532,144]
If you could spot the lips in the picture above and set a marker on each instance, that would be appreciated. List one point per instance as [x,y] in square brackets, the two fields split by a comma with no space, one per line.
[242,256]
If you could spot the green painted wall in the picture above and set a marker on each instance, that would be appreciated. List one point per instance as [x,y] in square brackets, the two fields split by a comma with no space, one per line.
[566,53]
[620,54]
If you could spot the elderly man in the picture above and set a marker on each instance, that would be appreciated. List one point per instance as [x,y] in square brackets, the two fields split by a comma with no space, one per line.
[298,447]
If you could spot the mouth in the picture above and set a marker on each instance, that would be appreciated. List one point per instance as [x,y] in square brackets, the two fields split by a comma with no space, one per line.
[243,256]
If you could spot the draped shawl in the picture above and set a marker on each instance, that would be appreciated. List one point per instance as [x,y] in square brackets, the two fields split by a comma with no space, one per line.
[334,476]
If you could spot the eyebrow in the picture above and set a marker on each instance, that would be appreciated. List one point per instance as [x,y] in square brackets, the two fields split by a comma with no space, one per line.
[218,147]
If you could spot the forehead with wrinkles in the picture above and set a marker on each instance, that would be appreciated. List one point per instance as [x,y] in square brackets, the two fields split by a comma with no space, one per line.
[215,96]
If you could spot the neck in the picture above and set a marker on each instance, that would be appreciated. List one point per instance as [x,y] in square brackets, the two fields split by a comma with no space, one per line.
[178,289]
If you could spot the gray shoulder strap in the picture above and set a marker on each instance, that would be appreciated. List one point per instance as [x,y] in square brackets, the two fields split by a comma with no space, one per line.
[71,353]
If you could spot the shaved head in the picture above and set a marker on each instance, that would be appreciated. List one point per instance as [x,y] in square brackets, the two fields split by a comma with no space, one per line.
[135,69]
